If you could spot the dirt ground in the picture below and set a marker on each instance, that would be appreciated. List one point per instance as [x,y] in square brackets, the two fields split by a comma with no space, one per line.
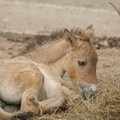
[24,24]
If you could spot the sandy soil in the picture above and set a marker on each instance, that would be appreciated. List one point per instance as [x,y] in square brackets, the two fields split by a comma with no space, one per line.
[44,16]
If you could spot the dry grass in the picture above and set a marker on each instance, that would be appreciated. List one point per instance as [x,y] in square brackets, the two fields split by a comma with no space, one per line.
[106,106]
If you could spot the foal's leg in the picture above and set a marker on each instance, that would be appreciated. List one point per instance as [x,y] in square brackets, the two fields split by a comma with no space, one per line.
[31,104]
[32,81]
[58,101]
[70,94]
[27,106]
[27,103]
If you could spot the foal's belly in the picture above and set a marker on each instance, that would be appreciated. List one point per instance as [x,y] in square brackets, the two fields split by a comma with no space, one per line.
[9,95]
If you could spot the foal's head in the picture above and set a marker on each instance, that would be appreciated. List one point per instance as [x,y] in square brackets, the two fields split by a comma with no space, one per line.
[80,62]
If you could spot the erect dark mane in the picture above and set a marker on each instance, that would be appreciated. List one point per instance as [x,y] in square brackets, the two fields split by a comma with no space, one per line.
[60,33]
[54,36]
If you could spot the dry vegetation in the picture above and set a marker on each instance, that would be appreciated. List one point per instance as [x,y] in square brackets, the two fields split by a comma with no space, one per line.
[106,106]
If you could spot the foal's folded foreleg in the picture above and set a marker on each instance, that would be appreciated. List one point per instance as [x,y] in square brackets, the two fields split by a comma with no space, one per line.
[51,104]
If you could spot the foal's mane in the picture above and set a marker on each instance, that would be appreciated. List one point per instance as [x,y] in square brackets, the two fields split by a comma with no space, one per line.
[56,36]
[45,40]
[60,33]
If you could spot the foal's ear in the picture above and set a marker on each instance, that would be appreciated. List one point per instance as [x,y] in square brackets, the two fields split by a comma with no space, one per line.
[89,32]
[69,38]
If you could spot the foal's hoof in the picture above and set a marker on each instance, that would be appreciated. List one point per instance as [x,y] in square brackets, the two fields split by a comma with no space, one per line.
[23,116]
[63,108]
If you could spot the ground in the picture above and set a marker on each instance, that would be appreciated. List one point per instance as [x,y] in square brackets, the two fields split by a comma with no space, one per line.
[24,24]
[39,16]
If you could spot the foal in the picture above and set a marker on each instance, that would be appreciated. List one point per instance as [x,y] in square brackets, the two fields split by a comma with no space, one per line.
[41,86]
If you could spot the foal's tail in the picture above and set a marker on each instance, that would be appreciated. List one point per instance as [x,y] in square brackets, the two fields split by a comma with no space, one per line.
[13,116]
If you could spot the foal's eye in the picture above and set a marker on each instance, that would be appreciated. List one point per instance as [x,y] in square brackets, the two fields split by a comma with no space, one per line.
[81,63]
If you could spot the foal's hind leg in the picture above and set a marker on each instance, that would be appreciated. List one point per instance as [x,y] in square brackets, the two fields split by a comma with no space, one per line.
[32,81]
[27,105]
[31,104]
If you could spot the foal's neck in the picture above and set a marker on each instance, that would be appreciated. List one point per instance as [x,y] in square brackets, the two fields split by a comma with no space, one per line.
[50,53]
[58,51]
[58,59]
[59,67]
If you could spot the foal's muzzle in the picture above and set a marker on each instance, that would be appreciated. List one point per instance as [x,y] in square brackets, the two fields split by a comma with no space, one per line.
[88,91]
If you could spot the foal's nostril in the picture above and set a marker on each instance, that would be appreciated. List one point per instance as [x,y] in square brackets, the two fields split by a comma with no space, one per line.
[88,91]
[87,94]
